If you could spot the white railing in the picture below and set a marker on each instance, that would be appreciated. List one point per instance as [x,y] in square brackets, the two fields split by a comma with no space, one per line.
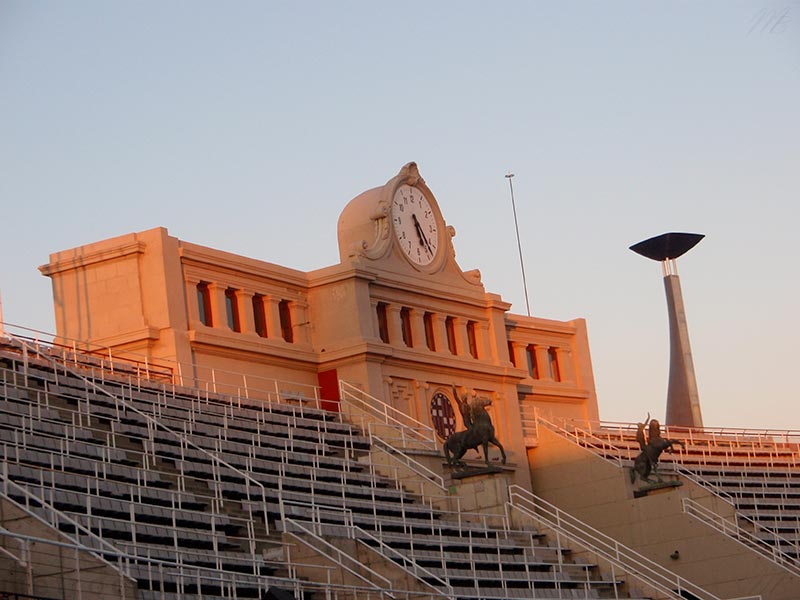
[155,423]
[617,446]
[341,559]
[601,447]
[346,524]
[188,578]
[376,410]
[780,542]
[354,532]
[39,509]
[43,578]
[604,446]
[400,560]
[626,559]
[83,355]
[724,436]
[412,464]
[732,530]
[185,444]
[319,522]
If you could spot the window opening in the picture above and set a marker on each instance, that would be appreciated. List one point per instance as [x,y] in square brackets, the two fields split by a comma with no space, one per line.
[383,322]
[286,321]
[260,315]
[533,367]
[473,339]
[405,323]
[552,354]
[450,326]
[204,304]
[232,310]
[429,338]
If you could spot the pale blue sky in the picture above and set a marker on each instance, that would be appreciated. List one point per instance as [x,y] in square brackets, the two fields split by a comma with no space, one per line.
[247,126]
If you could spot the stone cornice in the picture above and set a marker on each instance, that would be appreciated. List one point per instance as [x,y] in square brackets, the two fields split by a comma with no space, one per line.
[209,259]
[82,260]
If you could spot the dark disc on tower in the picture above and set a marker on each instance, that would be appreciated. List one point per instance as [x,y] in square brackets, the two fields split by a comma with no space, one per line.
[667,245]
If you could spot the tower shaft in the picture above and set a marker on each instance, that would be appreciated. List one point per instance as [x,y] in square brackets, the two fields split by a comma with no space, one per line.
[683,401]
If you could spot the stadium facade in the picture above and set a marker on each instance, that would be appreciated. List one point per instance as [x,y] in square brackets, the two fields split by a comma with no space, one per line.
[371,355]
[399,319]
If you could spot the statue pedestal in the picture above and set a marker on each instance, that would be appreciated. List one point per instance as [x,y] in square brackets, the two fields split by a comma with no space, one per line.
[651,488]
[481,487]
[468,472]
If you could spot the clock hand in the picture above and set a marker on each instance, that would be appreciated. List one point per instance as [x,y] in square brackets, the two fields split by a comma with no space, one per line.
[422,239]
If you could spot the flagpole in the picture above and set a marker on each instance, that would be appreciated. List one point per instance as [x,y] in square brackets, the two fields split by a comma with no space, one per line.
[509,176]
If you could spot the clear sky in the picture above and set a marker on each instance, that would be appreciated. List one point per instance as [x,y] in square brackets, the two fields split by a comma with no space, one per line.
[247,126]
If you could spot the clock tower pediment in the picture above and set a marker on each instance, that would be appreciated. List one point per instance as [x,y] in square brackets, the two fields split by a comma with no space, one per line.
[399,228]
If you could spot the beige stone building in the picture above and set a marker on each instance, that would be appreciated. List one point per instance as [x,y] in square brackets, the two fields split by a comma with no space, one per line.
[397,317]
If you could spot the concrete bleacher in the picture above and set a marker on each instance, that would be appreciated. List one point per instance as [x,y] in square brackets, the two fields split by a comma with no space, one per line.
[187,493]
[756,471]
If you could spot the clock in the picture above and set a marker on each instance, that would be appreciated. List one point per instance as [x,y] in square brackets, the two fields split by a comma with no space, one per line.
[415,225]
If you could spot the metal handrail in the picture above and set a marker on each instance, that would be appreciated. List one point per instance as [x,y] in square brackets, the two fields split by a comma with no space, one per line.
[587,438]
[730,500]
[187,443]
[150,369]
[627,559]
[416,466]
[387,415]
[696,434]
[748,539]
[57,515]
[597,443]
[182,439]
[338,556]
[404,559]
[592,442]
[188,573]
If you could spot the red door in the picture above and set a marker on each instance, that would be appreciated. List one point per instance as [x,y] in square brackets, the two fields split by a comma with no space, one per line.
[329,390]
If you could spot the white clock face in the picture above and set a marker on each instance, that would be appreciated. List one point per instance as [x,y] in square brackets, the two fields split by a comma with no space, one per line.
[415,225]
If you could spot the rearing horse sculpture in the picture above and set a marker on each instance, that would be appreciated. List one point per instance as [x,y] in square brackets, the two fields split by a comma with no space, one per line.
[651,449]
[479,432]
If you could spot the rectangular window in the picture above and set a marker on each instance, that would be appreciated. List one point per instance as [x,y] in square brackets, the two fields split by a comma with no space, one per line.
[533,368]
[232,310]
[427,318]
[405,324]
[383,323]
[204,304]
[286,321]
[259,315]
[472,336]
[450,326]
[552,354]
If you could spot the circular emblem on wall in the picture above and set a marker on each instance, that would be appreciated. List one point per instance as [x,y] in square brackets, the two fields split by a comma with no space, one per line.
[443,416]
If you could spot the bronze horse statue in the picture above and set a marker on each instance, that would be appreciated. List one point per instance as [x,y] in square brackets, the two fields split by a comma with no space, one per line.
[479,432]
[651,448]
